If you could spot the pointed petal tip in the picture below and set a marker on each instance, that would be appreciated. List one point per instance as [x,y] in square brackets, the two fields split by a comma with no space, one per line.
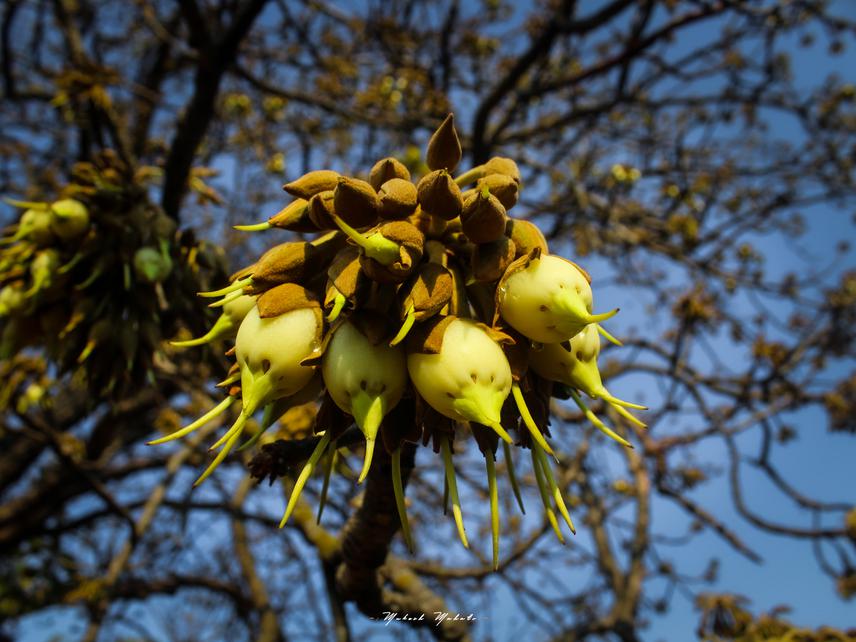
[499,430]
[162,440]
[620,402]
[253,227]
[603,316]
[609,337]
[188,343]
[367,460]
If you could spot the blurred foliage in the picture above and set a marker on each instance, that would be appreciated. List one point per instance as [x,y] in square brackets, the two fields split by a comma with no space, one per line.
[99,287]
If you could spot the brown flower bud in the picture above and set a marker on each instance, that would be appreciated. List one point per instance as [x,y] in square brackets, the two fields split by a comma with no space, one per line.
[285,298]
[483,217]
[345,278]
[285,263]
[439,195]
[505,188]
[312,183]
[444,148]
[387,169]
[526,237]
[397,199]
[504,166]
[410,242]
[426,291]
[294,217]
[490,260]
[355,202]
[320,207]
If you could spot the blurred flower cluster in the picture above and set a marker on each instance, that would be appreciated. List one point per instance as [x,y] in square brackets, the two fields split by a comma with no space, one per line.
[418,309]
[87,276]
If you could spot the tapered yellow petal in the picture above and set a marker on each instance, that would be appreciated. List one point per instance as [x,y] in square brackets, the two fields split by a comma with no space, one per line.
[453,491]
[237,285]
[555,491]
[545,498]
[606,396]
[237,294]
[405,327]
[597,318]
[512,476]
[303,477]
[221,326]
[227,447]
[494,506]
[254,227]
[338,305]
[236,429]
[267,422]
[368,413]
[216,411]
[606,335]
[523,409]
[597,422]
[398,490]
[229,380]
[628,416]
[328,472]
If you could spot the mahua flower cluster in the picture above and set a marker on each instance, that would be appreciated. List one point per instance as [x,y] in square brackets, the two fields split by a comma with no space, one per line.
[421,293]
[98,276]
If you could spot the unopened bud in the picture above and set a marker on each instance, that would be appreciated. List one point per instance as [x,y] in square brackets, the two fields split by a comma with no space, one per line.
[505,188]
[483,217]
[294,217]
[439,195]
[321,210]
[386,169]
[312,183]
[355,202]
[444,147]
[284,263]
[398,199]
[526,236]
[504,166]
[423,295]
[345,274]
